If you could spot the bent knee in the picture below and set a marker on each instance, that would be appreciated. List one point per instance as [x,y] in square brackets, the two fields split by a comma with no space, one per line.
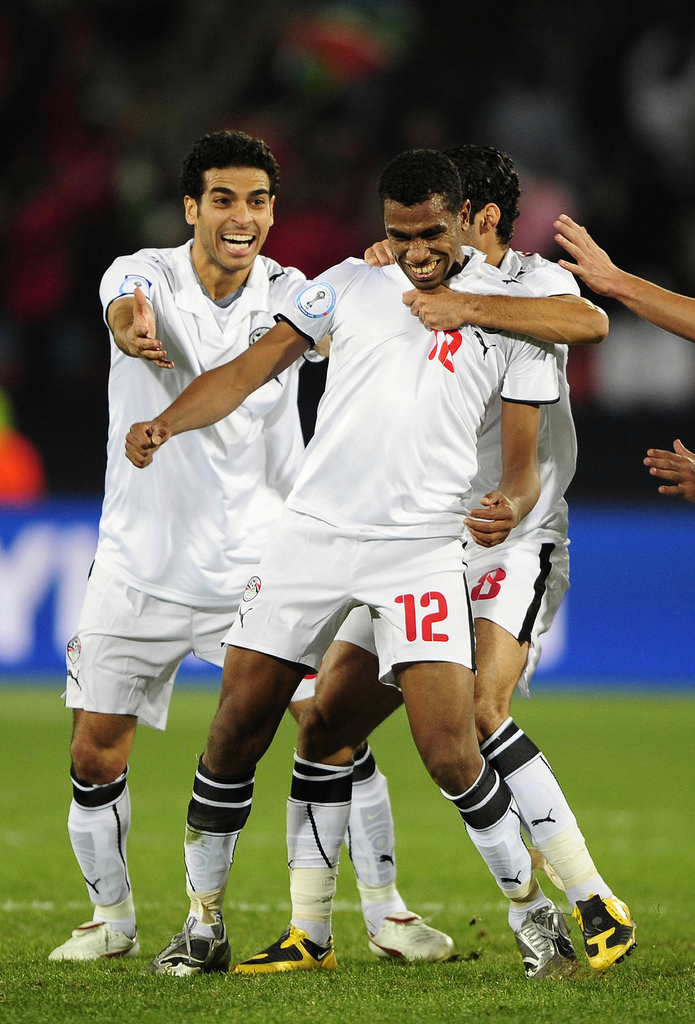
[319,741]
[96,765]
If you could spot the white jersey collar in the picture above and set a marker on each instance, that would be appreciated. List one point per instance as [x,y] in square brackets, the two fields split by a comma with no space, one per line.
[190,297]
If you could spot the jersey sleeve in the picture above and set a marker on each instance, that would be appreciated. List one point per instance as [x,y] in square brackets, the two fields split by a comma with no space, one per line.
[531,374]
[285,285]
[313,310]
[547,279]
[125,275]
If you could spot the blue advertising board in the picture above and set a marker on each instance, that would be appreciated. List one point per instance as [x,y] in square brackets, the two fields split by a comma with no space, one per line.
[628,616]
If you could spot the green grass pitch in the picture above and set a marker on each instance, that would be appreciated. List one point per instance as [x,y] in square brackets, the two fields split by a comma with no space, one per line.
[625,761]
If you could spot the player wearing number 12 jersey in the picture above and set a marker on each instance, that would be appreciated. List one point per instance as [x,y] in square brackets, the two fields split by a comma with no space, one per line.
[516,588]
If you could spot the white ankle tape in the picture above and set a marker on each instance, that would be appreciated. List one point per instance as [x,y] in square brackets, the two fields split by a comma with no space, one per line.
[527,892]
[207,905]
[117,911]
[569,857]
[312,891]
[376,893]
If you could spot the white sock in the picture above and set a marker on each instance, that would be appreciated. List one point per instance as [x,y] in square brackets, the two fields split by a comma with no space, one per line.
[378,903]
[545,812]
[371,843]
[98,824]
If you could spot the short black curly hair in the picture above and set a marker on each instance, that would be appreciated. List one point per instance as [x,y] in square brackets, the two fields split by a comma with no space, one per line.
[226,149]
[488,176]
[418,174]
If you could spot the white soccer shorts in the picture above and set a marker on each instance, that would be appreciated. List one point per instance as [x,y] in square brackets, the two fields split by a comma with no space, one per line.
[312,574]
[520,586]
[128,646]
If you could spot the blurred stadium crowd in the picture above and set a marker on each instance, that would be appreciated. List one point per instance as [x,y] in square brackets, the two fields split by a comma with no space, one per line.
[101,100]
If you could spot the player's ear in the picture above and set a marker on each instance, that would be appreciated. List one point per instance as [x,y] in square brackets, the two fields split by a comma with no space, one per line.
[191,208]
[272,210]
[491,217]
[465,214]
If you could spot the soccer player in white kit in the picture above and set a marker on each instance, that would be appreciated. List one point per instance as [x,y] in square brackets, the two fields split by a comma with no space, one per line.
[375,518]
[517,588]
[176,546]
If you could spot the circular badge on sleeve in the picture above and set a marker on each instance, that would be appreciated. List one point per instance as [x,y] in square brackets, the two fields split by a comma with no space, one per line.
[317,300]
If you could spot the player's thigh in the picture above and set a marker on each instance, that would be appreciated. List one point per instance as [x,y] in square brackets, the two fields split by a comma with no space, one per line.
[350,703]
[127,649]
[500,659]
[438,699]
[256,690]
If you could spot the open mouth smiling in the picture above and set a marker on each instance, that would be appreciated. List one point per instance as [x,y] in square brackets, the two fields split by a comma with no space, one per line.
[425,270]
[240,242]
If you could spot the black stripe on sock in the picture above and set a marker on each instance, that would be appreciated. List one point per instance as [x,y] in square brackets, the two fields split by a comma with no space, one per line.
[521,751]
[487,802]
[364,767]
[311,785]
[207,811]
[121,854]
[314,829]
[91,797]
[538,592]
[490,745]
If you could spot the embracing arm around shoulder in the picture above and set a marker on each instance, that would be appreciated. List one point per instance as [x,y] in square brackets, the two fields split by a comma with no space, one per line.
[216,393]
[559,319]
[520,486]
[668,310]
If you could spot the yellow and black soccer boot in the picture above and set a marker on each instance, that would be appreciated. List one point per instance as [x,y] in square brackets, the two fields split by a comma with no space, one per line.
[293,951]
[608,930]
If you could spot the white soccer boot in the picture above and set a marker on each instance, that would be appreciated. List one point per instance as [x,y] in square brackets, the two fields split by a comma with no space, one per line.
[405,935]
[95,940]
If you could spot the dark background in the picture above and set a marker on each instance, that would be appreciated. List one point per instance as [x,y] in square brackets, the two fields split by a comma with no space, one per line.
[101,101]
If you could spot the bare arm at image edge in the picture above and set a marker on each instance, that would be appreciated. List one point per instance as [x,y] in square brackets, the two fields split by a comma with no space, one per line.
[670,311]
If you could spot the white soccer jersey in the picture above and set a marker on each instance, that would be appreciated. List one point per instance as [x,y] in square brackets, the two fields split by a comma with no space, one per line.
[531,274]
[395,445]
[187,528]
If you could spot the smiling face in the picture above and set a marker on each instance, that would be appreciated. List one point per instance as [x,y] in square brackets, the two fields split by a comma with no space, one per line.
[426,240]
[231,222]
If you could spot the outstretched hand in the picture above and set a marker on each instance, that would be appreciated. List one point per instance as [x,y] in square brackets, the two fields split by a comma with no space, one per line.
[141,337]
[491,524]
[594,266]
[143,440]
[678,467]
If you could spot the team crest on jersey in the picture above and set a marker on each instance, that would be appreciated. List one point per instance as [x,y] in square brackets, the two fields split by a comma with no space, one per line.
[256,335]
[317,300]
[253,588]
[133,281]
[74,649]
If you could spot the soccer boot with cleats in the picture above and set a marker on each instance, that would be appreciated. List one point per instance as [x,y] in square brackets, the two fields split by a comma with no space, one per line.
[406,936]
[189,954]
[544,943]
[96,940]
[608,930]
[293,951]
